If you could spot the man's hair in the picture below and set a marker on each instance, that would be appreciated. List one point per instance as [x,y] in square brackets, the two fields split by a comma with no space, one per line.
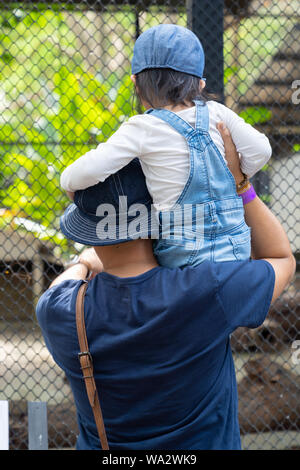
[162,87]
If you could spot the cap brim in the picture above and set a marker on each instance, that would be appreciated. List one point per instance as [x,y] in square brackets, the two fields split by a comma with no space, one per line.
[76,226]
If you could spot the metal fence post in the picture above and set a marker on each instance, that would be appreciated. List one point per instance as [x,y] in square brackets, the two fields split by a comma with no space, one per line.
[37,426]
[206,20]
[4,425]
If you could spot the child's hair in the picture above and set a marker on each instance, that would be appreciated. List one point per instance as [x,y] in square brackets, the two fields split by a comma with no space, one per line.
[161,87]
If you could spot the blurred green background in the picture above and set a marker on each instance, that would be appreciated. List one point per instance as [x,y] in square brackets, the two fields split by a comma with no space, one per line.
[59,99]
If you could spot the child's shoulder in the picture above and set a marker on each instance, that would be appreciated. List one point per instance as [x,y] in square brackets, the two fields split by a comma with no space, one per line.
[220,110]
[138,119]
[216,105]
[133,123]
[142,121]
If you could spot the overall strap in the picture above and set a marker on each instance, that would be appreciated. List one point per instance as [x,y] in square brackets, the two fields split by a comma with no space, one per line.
[181,126]
[202,116]
[86,364]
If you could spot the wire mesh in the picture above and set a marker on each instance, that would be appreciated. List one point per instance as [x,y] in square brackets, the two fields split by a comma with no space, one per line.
[65,87]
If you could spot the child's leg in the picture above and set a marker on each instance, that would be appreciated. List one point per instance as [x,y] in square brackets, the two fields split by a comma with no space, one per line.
[233,247]
[172,254]
[220,235]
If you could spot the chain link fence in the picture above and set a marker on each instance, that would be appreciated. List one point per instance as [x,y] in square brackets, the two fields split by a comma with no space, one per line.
[65,87]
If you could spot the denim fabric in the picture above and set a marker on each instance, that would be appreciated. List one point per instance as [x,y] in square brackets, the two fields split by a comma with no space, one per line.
[220,232]
[169,46]
[107,204]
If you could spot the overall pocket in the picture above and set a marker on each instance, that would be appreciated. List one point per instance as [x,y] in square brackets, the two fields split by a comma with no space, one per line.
[235,247]
[241,245]
[175,253]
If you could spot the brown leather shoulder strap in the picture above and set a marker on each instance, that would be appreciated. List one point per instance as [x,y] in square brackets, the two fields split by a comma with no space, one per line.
[86,364]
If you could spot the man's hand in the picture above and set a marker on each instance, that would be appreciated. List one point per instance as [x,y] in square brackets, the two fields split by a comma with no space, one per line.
[231,155]
[268,239]
[79,271]
[90,258]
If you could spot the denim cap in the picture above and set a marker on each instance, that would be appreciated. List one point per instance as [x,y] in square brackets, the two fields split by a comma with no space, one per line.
[169,46]
[114,211]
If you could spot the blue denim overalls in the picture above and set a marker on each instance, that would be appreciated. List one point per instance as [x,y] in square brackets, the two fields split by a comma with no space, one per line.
[207,221]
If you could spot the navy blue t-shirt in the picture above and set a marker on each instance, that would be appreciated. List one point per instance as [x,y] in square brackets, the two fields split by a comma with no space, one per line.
[161,352]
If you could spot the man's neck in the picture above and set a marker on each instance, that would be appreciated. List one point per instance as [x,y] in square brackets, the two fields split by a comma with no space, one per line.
[129,270]
[128,259]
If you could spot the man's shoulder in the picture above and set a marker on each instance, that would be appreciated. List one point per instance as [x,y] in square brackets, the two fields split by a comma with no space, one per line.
[188,280]
[243,267]
[212,266]
[245,291]
[212,274]
[58,298]
[243,272]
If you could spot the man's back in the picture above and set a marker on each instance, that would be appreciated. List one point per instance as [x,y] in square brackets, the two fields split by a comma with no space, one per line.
[161,353]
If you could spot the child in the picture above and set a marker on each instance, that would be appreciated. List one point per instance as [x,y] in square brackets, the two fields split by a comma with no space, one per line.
[181,151]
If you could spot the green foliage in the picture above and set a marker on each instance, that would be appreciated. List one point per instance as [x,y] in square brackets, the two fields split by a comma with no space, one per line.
[55,111]
[266,198]
[256,115]
[249,45]
[82,120]
[229,73]
[296,148]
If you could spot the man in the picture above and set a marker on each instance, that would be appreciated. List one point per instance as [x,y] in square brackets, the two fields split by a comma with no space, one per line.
[159,337]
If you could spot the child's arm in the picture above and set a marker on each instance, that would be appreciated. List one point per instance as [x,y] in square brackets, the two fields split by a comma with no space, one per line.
[253,146]
[108,158]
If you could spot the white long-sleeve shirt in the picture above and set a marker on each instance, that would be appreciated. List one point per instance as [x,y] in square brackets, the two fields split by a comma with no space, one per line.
[163,152]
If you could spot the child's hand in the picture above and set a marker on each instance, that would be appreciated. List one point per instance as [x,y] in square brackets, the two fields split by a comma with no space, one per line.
[70,195]
[231,154]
